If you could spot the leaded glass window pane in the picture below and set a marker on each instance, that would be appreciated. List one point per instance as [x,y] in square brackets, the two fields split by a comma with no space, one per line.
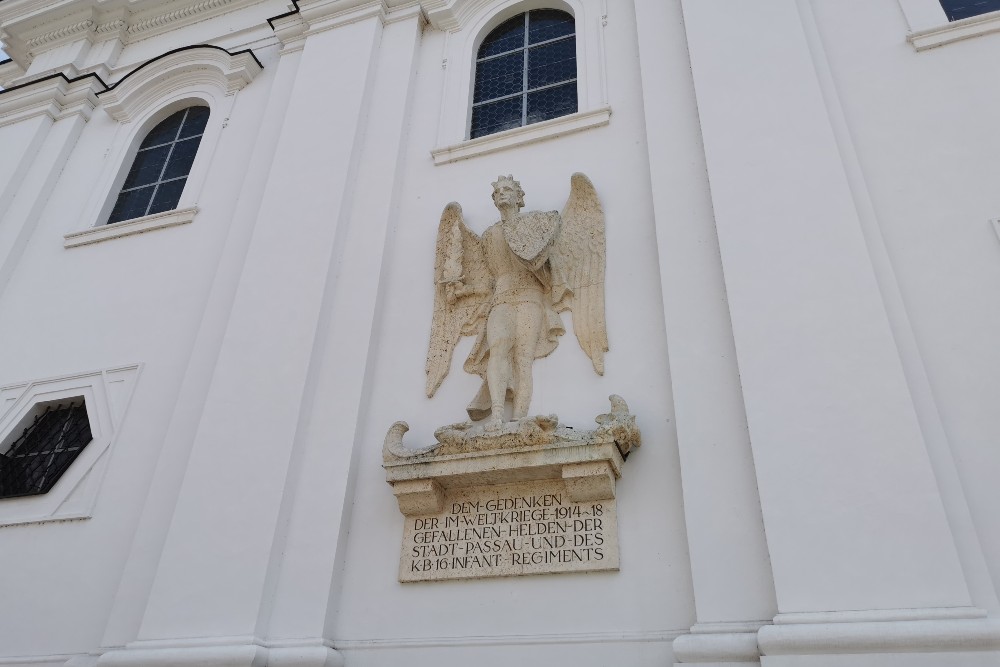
[166,197]
[496,116]
[525,72]
[507,37]
[552,63]
[132,204]
[156,179]
[551,102]
[548,24]
[499,77]
[963,9]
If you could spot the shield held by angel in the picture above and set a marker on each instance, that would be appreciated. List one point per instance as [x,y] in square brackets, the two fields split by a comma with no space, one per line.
[508,287]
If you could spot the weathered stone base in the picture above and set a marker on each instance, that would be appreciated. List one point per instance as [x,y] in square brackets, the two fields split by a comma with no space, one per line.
[530,497]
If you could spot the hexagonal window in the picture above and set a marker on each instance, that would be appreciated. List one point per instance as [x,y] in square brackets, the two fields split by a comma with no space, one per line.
[36,454]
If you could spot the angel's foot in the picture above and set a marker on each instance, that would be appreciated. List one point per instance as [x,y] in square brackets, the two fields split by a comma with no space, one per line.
[494,424]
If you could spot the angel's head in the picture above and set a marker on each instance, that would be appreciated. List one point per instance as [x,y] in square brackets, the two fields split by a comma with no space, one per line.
[507,192]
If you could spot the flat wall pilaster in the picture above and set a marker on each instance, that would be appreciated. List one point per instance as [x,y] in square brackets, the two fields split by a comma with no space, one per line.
[733,590]
[853,516]
[21,142]
[54,141]
[154,523]
[218,558]
[307,586]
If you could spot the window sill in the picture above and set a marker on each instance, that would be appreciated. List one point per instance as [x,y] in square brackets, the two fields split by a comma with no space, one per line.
[519,136]
[148,223]
[955,31]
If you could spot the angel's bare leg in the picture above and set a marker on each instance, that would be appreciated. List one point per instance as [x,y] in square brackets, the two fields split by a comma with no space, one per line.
[500,333]
[529,326]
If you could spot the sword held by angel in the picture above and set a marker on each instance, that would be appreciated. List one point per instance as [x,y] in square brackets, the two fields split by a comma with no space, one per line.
[508,287]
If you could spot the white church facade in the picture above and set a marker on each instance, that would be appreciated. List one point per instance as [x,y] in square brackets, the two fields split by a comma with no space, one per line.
[225,238]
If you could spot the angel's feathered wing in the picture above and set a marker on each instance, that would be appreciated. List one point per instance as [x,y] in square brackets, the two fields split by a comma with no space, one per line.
[578,268]
[459,263]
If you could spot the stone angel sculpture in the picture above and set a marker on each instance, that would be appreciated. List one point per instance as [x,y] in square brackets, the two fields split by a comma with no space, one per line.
[508,287]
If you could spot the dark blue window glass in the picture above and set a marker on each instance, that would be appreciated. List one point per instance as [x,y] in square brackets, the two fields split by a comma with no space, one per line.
[963,9]
[161,167]
[45,449]
[525,72]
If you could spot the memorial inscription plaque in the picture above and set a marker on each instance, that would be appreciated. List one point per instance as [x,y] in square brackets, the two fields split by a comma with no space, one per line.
[509,530]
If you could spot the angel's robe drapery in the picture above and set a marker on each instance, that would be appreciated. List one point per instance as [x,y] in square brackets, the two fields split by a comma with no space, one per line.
[517,281]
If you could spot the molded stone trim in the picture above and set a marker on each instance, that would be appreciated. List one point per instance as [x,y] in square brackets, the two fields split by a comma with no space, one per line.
[452,14]
[921,14]
[622,637]
[157,78]
[910,636]
[310,17]
[955,31]
[725,642]
[224,652]
[519,136]
[56,96]
[141,225]
[31,30]
[107,394]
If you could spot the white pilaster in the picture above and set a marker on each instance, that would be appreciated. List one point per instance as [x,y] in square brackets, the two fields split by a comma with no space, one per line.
[305,598]
[21,141]
[42,120]
[853,516]
[151,531]
[733,590]
[221,551]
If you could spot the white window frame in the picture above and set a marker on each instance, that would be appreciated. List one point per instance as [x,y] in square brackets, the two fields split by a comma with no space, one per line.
[196,77]
[930,28]
[462,43]
[107,394]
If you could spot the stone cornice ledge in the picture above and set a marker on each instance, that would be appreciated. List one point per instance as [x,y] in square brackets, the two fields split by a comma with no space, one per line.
[955,31]
[223,652]
[129,227]
[451,14]
[918,636]
[55,96]
[732,642]
[200,64]
[557,127]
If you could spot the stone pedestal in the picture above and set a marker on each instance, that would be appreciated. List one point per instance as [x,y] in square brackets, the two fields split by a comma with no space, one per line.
[532,497]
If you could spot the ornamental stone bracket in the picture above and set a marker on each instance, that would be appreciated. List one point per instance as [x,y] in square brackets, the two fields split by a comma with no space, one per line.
[531,497]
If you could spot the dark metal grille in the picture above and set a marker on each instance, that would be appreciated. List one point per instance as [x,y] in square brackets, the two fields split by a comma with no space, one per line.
[963,9]
[156,179]
[44,451]
[525,72]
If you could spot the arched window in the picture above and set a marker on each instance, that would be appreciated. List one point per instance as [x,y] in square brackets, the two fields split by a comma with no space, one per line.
[525,72]
[156,179]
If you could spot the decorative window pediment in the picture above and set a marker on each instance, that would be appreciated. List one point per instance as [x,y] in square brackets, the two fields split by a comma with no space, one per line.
[158,78]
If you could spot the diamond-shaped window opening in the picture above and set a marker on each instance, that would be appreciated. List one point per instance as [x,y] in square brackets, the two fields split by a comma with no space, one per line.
[43,446]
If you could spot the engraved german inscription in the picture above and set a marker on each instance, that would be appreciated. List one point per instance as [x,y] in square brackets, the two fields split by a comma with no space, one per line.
[498,531]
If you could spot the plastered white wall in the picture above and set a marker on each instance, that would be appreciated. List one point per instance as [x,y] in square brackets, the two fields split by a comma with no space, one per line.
[922,127]
[652,591]
[927,147]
